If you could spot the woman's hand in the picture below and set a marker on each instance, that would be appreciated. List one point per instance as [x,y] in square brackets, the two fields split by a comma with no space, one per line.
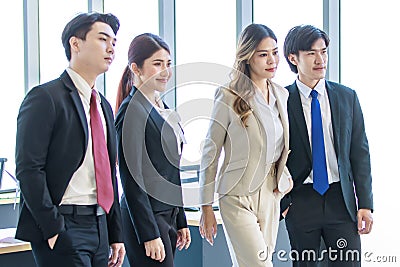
[277,192]
[184,238]
[155,249]
[290,187]
[208,224]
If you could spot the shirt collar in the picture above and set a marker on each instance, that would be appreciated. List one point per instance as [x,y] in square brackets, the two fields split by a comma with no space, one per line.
[82,86]
[260,98]
[305,90]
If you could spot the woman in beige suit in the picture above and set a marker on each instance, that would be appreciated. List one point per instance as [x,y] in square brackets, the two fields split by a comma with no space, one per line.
[249,121]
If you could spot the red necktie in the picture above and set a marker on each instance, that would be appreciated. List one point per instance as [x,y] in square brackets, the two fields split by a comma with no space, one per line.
[105,193]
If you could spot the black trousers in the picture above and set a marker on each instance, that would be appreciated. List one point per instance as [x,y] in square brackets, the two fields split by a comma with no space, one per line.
[83,244]
[312,217]
[166,221]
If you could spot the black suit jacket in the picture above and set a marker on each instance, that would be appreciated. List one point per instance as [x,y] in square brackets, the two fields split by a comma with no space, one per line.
[52,137]
[350,143]
[148,161]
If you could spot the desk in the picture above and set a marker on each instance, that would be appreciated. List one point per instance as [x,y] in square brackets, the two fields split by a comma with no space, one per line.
[13,252]
[8,244]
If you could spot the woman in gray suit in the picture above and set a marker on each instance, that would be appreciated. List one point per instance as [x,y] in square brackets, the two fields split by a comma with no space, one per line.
[249,121]
[149,149]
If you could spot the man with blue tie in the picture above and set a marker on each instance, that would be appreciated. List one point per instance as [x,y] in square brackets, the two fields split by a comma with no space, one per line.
[329,159]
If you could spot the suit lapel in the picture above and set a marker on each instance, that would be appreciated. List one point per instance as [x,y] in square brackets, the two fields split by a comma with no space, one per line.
[335,114]
[150,111]
[109,118]
[76,99]
[166,132]
[282,111]
[157,119]
[162,128]
[107,115]
[257,115]
[281,108]
[296,114]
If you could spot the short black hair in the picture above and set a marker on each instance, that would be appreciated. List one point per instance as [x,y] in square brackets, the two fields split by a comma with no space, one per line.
[80,25]
[301,38]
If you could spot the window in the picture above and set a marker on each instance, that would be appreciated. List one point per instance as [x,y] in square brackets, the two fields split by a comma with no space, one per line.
[203,34]
[51,24]
[369,65]
[12,87]
[136,17]
[281,16]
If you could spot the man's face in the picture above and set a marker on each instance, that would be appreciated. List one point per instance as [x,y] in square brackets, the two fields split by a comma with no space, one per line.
[96,53]
[311,65]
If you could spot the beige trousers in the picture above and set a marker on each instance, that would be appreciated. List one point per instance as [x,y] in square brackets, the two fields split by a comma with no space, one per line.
[251,225]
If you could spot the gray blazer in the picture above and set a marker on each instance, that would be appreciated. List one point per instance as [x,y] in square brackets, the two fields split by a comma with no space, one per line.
[244,168]
[148,164]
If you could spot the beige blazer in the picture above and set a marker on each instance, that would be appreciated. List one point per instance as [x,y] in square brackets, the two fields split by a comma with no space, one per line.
[244,168]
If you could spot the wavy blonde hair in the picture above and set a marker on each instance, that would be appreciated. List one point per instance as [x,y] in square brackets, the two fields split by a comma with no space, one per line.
[241,85]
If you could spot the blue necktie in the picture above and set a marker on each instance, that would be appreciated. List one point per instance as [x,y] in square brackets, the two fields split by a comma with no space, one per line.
[320,174]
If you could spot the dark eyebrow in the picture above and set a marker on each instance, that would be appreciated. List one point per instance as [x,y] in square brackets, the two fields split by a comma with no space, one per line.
[276,48]
[322,49]
[160,60]
[109,36]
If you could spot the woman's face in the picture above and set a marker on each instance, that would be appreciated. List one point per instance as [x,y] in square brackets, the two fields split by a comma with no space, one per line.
[264,62]
[155,72]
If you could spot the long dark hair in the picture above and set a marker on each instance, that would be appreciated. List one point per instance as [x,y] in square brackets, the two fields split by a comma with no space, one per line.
[141,48]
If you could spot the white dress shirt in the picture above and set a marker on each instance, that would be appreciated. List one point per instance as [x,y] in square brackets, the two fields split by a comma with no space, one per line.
[331,160]
[172,118]
[81,189]
[272,126]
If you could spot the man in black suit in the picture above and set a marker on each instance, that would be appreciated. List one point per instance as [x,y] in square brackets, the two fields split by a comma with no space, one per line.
[341,211]
[69,220]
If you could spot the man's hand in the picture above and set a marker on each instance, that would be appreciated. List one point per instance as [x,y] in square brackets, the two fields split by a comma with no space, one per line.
[117,255]
[208,224]
[184,239]
[365,221]
[52,241]
[155,249]
[284,213]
